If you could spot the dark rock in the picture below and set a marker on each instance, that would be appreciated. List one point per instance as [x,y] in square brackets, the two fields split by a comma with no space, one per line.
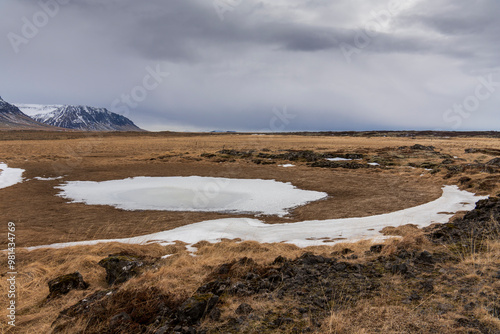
[376,248]
[163,330]
[121,268]
[184,330]
[470,306]
[338,164]
[244,309]
[217,287]
[417,147]
[310,259]
[279,260]
[444,308]
[235,153]
[245,261]
[119,320]
[478,224]
[425,257]
[354,156]
[474,324]
[489,151]
[464,180]
[84,306]
[427,286]
[64,284]
[494,162]
[224,268]
[196,307]
[281,321]
[413,297]
[404,254]
[215,314]
[400,268]
[346,251]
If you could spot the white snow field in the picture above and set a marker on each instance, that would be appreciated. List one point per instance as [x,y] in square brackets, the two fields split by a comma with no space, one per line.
[192,193]
[306,233]
[36,109]
[10,176]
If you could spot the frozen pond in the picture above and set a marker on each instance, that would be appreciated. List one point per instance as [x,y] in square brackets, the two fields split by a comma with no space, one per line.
[306,233]
[192,193]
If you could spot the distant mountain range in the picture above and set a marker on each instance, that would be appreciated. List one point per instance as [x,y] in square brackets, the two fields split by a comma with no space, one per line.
[82,118]
[58,117]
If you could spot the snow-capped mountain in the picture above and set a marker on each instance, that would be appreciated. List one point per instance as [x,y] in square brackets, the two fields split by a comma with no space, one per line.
[13,118]
[83,118]
[36,109]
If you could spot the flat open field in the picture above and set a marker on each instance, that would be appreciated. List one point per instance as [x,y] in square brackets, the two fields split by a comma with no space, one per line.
[43,218]
[441,279]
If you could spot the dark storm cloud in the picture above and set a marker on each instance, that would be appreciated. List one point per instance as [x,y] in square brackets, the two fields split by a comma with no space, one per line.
[338,65]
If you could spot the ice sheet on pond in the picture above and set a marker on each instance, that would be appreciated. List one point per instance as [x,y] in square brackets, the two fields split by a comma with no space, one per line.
[192,193]
[307,233]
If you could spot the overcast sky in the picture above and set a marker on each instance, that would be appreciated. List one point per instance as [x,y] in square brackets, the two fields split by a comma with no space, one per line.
[277,65]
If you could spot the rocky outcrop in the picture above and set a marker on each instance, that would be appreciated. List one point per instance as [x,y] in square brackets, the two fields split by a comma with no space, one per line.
[121,268]
[489,151]
[65,283]
[482,223]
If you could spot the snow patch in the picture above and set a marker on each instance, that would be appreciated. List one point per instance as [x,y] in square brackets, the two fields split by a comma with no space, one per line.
[287,165]
[193,193]
[306,233]
[36,109]
[10,176]
[338,159]
[39,178]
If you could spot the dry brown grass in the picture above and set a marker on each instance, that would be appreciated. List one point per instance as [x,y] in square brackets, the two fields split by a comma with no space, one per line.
[48,219]
[181,274]
[387,313]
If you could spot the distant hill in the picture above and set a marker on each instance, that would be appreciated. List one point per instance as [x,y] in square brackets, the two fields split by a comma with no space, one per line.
[82,118]
[11,118]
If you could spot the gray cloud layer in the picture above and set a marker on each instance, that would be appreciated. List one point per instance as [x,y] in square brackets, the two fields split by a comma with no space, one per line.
[335,65]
